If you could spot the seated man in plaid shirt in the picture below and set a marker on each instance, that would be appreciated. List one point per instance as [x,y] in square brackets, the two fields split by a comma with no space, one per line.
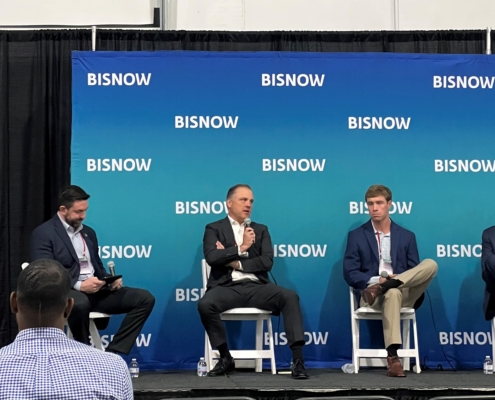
[43,363]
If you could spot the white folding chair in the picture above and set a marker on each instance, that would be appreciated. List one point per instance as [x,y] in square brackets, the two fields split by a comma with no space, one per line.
[95,335]
[377,357]
[243,314]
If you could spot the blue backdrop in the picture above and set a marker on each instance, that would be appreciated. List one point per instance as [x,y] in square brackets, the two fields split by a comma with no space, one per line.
[158,138]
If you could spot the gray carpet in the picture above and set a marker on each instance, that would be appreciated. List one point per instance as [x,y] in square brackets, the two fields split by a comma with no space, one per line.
[321,380]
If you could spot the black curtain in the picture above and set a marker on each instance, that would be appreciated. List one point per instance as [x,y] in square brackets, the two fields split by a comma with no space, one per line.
[35,109]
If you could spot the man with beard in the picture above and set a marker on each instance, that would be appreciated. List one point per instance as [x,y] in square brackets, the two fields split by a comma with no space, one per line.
[65,239]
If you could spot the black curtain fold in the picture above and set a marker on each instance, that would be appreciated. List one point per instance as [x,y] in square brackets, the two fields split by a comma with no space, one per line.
[36,109]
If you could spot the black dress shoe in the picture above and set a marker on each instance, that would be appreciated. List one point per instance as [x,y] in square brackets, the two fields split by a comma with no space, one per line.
[224,366]
[298,370]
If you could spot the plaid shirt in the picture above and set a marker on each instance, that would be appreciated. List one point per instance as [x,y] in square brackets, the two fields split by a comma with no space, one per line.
[43,363]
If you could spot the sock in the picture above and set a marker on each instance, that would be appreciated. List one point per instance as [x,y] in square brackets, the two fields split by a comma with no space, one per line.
[391,284]
[392,350]
[224,350]
[297,351]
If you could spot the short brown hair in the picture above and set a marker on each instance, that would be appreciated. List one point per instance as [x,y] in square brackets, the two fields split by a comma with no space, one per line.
[378,190]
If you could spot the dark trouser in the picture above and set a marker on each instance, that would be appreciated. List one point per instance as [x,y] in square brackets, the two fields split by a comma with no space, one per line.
[136,303]
[250,294]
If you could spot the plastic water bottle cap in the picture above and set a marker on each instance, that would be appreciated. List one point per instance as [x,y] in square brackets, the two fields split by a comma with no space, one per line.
[348,368]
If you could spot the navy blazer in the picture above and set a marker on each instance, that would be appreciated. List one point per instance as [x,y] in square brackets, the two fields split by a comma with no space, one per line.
[488,271]
[361,260]
[259,261]
[50,240]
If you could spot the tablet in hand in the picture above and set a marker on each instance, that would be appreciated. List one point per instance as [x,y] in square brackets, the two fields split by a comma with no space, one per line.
[111,278]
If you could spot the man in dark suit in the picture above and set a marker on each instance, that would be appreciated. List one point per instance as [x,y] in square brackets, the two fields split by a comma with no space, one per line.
[240,256]
[65,239]
[488,271]
[382,260]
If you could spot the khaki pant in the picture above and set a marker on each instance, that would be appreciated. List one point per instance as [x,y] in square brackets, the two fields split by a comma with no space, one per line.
[415,281]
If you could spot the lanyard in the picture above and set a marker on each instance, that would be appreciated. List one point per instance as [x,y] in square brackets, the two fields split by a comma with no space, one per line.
[84,244]
[379,244]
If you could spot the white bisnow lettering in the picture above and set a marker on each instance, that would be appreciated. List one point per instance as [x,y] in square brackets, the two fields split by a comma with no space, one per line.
[200,207]
[129,251]
[399,207]
[288,165]
[280,339]
[299,250]
[143,340]
[379,123]
[215,122]
[463,82]
[465,338]
[458,250]
[188,294]
[118,164]
[292,79]
[464,165]
[118,79]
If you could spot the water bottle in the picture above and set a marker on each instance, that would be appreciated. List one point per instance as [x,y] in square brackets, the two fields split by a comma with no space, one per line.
[202,367]
[134,368]
[488,366]
[348,368]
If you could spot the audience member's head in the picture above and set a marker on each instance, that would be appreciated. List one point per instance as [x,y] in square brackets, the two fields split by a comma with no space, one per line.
[42,298]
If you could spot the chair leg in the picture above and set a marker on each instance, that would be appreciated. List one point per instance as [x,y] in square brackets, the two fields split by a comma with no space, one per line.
[416,346]
[207,353]
[95,335]
[355,343]
[259,343]
[406,343]
[493,339]
[271,345]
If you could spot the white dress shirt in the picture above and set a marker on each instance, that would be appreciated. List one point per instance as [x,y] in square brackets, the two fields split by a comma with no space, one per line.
[383,241]
[238,275]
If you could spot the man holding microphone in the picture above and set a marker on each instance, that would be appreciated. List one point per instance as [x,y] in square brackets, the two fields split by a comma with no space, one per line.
[240,255]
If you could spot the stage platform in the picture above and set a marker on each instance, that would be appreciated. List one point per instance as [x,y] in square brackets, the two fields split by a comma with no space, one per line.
[322,383]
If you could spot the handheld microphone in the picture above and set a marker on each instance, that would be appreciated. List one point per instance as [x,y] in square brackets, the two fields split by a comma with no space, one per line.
[247,223]
[384,274]
[111,267]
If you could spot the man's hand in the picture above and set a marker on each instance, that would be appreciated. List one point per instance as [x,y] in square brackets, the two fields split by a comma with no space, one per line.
[232,264]
[248,239]
[383,280]
[116,285]
[92,285]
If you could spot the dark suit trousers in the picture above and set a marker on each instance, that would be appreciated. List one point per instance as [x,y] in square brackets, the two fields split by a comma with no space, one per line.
[265,296]
[136,303]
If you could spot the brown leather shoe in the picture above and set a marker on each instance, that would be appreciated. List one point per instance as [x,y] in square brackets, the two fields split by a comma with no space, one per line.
[395,369]
[371,293]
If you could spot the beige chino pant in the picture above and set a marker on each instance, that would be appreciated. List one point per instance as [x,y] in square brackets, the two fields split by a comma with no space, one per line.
[415,281]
